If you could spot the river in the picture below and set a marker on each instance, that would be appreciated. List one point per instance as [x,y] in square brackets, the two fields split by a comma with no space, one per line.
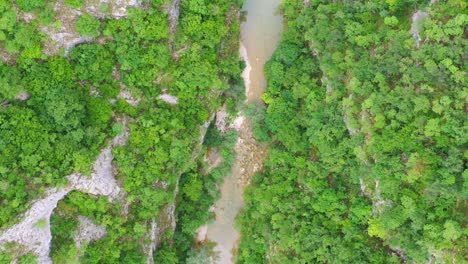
[260,34]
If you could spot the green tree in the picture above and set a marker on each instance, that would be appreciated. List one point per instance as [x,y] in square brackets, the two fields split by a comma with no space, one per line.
[88,25]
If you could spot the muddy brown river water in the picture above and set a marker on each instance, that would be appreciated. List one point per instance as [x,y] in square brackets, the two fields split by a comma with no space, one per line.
[260,35]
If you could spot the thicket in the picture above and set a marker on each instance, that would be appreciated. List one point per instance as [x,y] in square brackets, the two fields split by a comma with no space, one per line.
[368,134]
[72,110]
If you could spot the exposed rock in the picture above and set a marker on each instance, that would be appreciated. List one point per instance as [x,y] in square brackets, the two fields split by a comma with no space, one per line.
[7,57]
[221,119]
[122,138]
[31,236]
[119,8]
[419,15]
[23,96]
[167,217]
[28,17]
[378,203]
[248,68]
[350,129]
[154,239]
[213,158]
[64,36]
[203,130]
[249,153]
[128,96]
[170,99]
[88,231]
[101,181]
[201,233]
[238,122]
[401,254]
[174,12]
[363,187]
[326,82]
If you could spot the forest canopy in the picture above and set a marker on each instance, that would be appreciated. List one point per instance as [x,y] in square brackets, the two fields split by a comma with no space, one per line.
[109,117]
[366,110]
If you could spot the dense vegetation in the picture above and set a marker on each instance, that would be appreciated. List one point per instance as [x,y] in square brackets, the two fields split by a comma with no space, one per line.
[365,118]
[368,137]
[57,113]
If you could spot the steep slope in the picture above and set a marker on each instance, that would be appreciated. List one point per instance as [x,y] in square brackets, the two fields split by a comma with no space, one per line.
[366,110]
[156,78]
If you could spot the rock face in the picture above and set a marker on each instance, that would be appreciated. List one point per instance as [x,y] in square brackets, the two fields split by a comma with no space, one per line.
[174,12]
[249,153]
[31,235]
[153,236]
[88,231]
[128,96]
[221,119]
[248,68]
[101,181]
[23,96]
[65,36]
[419,15]
[170,99]
[212,158]
[201,233]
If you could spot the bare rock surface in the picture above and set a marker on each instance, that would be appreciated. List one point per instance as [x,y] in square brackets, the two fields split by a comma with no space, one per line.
[213,159]
[174,12]
[121,139]
[417,16]
[101,181]
[170,99]
[351,130]
[128,96]
[23,96]
[64,36]
[153,236]
[88,231]
[221,119]
[29,233]
[202,232]
[248,68]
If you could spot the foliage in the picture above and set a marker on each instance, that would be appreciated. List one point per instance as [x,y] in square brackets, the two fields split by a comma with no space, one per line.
[75,101]
[29,5]
[368,137]
[74,3]
[88,25]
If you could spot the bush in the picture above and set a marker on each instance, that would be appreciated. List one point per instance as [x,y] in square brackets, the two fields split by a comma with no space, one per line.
[28,5]
[74,3]
[88,25]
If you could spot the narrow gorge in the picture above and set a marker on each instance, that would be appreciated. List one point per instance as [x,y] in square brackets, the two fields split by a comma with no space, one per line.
[260,34]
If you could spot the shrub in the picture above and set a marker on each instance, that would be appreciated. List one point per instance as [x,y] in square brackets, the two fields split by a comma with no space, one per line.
[88,25]
[28,5]
[74,3]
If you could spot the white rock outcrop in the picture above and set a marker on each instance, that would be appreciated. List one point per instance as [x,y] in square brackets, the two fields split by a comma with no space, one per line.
[88,231]
[170,99]
[153,235]
[101,181]
[417,16]
[29,233]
